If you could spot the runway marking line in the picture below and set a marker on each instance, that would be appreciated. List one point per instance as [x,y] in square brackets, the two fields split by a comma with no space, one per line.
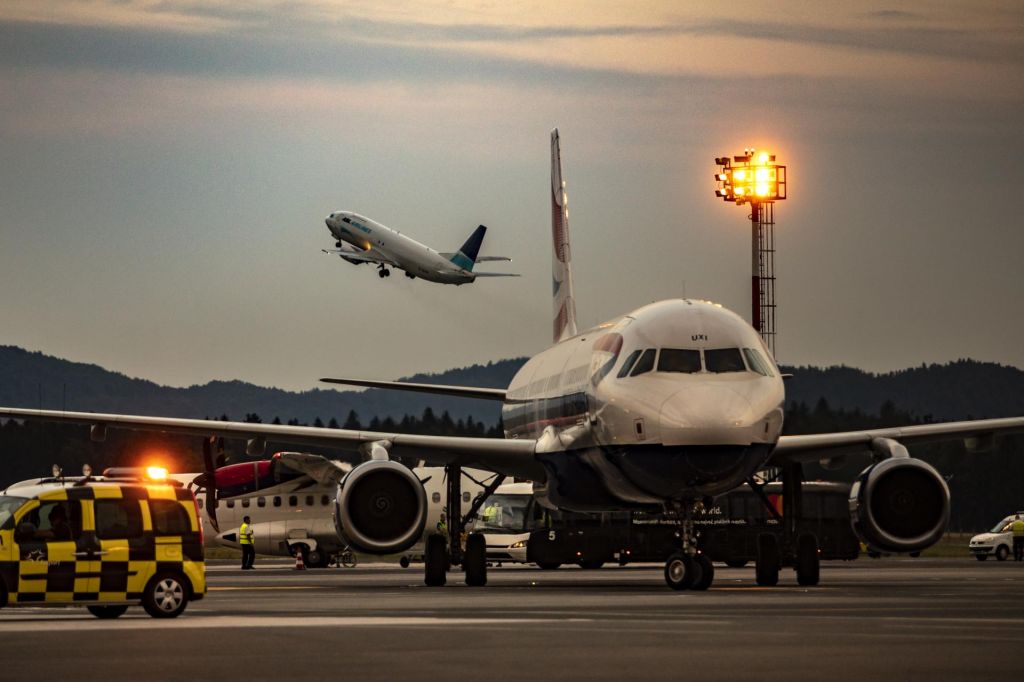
[224,622]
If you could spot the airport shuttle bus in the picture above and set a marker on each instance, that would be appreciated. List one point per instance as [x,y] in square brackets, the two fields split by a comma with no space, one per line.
[519,529]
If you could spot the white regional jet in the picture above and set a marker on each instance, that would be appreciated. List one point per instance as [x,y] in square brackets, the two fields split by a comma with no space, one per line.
[361,240]
[659,409]
[290,501]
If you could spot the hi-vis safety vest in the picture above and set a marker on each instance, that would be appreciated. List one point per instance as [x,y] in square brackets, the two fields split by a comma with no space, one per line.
[244,535]
[1018,528]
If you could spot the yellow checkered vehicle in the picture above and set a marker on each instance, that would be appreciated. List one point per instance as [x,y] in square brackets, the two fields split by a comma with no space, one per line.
[103,542]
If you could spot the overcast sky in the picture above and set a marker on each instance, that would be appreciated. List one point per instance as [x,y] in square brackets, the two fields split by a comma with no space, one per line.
[167,166]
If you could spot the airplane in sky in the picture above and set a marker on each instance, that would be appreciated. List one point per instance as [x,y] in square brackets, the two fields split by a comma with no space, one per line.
[659,409]
[361,240]
[290,499]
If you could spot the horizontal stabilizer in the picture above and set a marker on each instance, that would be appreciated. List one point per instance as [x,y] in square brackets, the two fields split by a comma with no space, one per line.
[496,274]
[484,259]
[439,389]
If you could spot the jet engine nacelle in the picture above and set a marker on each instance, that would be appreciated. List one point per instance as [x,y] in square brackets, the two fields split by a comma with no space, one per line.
[346,248]
[381,507]
[899,505]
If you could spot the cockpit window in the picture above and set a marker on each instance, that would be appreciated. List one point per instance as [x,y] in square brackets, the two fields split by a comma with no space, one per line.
[679,360]
[722,360]
[757,362]
[645,363]
[628,364]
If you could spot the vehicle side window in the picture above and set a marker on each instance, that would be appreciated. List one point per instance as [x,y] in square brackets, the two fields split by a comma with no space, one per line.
[118,519]
[169,518]
[679,360]
[722,360]
[757,362]
[644,364]
[628,364]
[55,521]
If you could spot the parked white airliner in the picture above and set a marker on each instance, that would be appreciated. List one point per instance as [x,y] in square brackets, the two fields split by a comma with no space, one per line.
[361,240]
[289,499]
[659,409]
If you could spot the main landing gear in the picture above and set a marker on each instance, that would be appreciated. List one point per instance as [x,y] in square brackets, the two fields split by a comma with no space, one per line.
[444,551]
[383,272]
[688,569]
[793,548]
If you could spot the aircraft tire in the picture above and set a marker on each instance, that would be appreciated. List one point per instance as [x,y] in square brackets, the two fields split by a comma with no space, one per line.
[404,562]
[591,565]
[736,563]
[107,612]
[981,557]
[475,560]
[435,561]
[808,563]
[681,571]
[382,273]
[316,558]
[766,568]
[707,574]
[548,565]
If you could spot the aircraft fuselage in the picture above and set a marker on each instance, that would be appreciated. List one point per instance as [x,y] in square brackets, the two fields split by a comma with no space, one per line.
[697,409]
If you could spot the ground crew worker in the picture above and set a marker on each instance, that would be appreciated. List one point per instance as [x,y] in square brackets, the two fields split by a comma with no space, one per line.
[1018,537]
[490,514]
[245,539]
[442,525]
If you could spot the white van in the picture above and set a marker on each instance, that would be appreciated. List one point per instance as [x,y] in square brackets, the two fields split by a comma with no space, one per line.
[997,542]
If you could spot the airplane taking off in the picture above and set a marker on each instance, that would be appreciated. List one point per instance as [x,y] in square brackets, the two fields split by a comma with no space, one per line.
[659,409]
[361,240]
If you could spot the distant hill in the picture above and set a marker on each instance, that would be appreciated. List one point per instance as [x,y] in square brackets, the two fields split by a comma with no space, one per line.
[31,379]
[956,390]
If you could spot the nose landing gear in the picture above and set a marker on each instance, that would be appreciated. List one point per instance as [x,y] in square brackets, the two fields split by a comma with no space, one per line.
[688,569]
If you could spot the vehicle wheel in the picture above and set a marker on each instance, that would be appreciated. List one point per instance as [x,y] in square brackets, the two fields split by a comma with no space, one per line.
[736,563]
[1002,552]
[435,561]
[106,612]
[404,562]
[981,557]
[165,596]
[475,560]
[808,563]
[546,565]
[766,567]
[681,571]
[591,565]
[707,574]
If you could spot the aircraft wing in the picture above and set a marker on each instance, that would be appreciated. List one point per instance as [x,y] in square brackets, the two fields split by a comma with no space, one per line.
[439,389]
[509,457]
[791,449]
[363,256]
[319,468]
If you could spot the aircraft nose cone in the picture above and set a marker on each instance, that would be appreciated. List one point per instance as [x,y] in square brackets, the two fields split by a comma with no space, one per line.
[712,414]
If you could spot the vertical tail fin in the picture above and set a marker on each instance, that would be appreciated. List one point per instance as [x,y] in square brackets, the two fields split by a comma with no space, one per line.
[466,257]
[561,273]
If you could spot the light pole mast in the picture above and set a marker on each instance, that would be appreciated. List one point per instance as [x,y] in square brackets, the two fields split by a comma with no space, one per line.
[756,179]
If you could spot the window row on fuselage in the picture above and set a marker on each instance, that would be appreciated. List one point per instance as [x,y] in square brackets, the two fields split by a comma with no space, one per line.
[558,410]
[276,501]
[693,361]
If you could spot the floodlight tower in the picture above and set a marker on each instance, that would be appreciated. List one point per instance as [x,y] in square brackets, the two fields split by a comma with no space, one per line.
[755,179]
